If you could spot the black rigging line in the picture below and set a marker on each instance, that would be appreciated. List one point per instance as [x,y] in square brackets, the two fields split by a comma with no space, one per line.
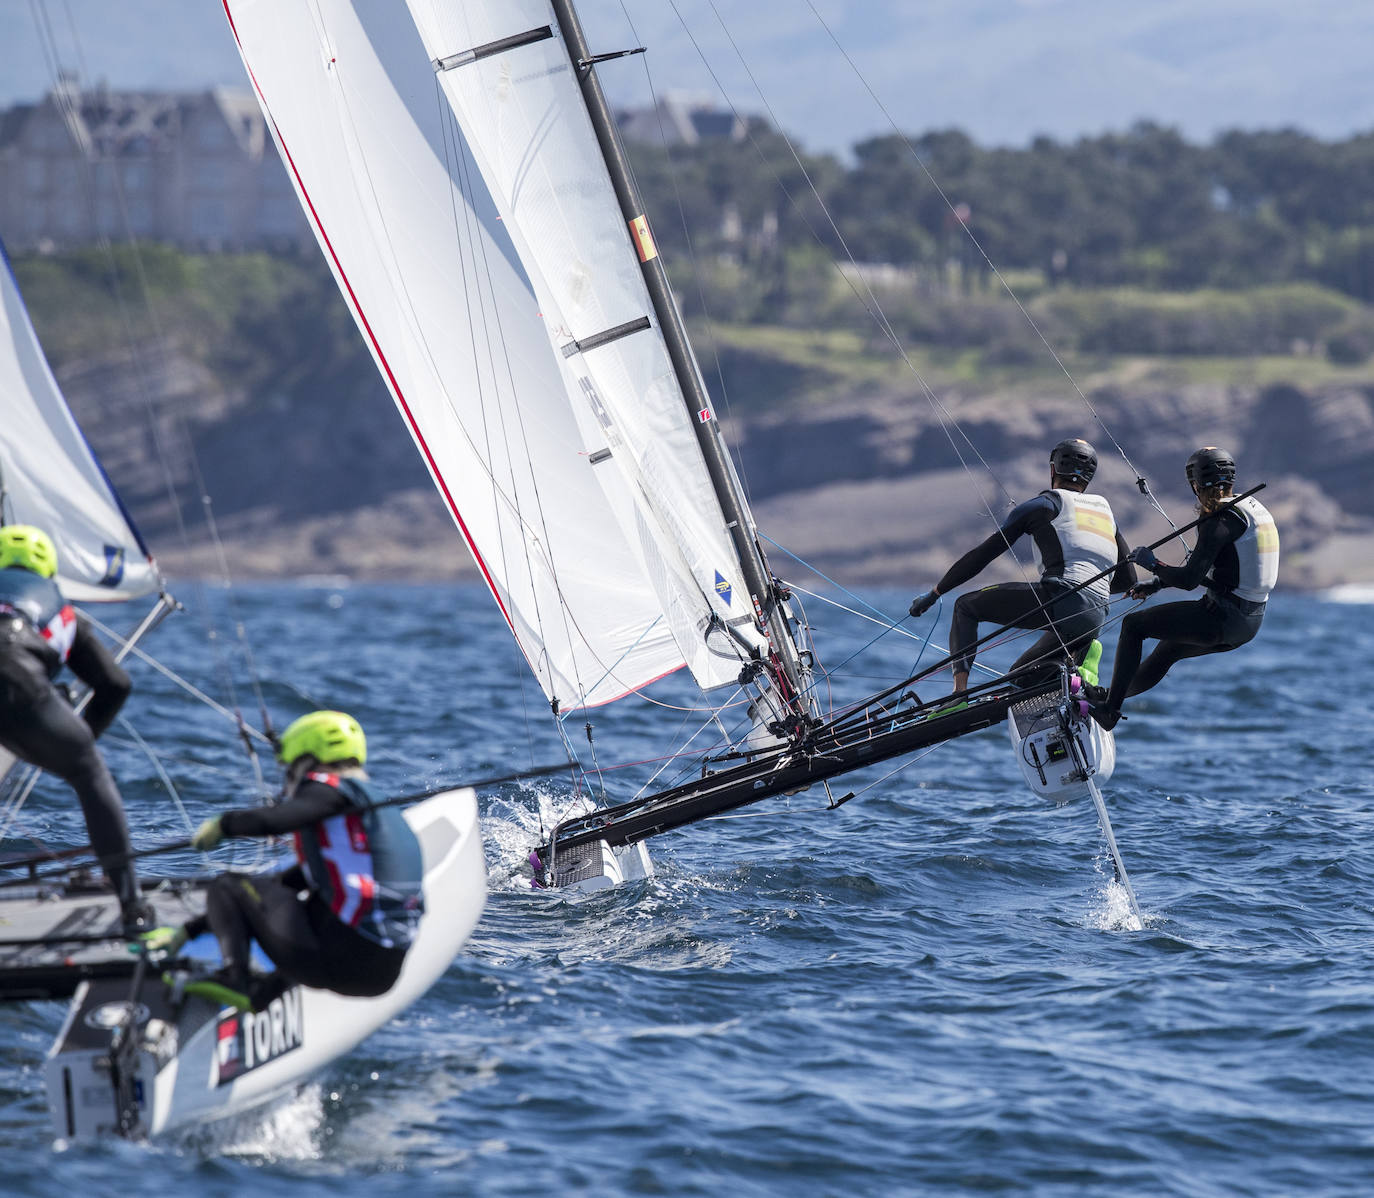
[948,424]
[1140,480]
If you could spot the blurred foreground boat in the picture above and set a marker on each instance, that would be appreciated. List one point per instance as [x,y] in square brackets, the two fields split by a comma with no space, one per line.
[135,1056]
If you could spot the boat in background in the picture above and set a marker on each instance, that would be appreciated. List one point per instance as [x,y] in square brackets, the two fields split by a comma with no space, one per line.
[136,1056]
[51,478]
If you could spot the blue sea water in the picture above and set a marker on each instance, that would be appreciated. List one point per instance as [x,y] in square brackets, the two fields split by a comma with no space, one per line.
[930,990]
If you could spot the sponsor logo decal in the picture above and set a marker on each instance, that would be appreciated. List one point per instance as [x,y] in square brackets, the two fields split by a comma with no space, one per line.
[246,1040]
[723,588]
[114,566]
[704,415]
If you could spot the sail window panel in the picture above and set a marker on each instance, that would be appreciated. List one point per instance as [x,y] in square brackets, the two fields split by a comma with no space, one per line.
[50,476]
[456,334]
[524,118]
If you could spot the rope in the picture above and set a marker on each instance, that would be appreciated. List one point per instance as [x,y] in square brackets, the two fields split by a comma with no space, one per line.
[1141,482]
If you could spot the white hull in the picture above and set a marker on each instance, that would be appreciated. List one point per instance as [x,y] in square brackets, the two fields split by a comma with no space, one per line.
[600,866]
[196,1063]
[1059,748]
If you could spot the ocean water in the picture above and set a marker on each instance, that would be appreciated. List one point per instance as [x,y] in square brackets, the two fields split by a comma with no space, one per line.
[929,990]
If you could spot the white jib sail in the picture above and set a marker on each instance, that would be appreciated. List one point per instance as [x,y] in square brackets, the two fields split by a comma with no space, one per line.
[50,476]
[505,68]
[456,334]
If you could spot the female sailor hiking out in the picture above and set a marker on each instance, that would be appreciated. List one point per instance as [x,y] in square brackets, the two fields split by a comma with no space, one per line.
[40,632]
[344,916]
[1075,538]
[1236,557]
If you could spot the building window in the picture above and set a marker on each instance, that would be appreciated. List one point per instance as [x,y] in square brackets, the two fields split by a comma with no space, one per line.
[69,214]
[210,176]
[278,216]
[65,177]
[140,216]
[135,176]
[209,219]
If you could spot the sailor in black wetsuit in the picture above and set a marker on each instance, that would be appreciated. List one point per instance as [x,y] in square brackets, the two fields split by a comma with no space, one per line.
[341,919]
[1236,557]
[39,633]
[1075,538]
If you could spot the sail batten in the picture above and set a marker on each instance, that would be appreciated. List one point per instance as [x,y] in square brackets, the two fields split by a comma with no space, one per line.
[531,135]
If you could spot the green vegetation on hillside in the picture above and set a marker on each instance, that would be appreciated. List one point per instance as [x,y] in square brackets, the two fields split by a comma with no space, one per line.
[1137,256]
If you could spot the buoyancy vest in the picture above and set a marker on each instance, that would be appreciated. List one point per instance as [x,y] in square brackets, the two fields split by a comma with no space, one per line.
[1079,542]
[39,601]
[366,865]
[1257,553]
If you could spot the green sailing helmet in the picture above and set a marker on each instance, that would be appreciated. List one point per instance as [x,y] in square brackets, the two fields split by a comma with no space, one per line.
[327,736]
[29,547]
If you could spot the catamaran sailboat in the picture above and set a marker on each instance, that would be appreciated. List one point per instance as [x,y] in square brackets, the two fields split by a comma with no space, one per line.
[135,1056]
[493,249]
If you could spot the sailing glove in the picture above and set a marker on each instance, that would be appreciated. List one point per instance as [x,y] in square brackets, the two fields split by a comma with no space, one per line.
[1144,556]
[208,835]
[923,603]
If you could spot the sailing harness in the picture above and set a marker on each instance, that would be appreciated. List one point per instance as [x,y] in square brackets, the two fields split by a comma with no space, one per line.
[39,603]
[365,864]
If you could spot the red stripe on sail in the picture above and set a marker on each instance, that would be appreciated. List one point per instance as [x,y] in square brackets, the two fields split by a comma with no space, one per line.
[372,338]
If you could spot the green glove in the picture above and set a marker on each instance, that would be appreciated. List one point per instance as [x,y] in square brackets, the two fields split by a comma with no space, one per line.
[164,940]
[208,835]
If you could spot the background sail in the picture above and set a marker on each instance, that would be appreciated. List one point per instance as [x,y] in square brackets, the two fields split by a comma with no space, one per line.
[52,479]
[455,332]
[506,71]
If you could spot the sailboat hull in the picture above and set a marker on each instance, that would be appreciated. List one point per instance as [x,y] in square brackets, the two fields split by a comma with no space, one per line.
[834,749]
[190,1062]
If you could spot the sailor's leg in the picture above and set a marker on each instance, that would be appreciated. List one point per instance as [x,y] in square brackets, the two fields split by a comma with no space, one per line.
[1217,628]
[225,901]
[1184,629]
[49,734]
[1002,603]
[1073,622]
[265,908]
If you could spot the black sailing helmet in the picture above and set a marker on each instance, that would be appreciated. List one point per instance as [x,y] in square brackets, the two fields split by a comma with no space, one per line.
[1209,467]
[1074,458]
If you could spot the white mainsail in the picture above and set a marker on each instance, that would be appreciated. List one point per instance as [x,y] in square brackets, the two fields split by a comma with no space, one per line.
[456,333]
[508,76]
[51,478]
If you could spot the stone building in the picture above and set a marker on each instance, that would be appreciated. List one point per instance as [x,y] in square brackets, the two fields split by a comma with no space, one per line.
[196,170]
[681,120]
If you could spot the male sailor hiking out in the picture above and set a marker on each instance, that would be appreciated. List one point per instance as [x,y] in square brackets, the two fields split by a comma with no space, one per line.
[40,632]
[1236,557]
[1074,537]
[342,918]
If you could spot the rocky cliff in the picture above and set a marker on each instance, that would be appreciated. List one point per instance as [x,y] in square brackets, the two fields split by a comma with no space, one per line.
[887,488]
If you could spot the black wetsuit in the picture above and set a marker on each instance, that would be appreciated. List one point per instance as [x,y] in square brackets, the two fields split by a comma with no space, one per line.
[1072,618]
[1189,628]
[38,725]
[309,944]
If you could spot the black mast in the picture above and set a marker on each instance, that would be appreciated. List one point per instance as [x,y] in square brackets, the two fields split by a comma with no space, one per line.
[766,602]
